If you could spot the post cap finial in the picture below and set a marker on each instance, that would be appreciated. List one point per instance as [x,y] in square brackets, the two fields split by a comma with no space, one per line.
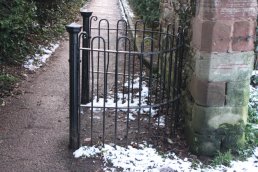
[73,27]
[85,13]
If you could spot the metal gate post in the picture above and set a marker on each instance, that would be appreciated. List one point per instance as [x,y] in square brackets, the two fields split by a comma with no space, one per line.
[74,66]
[85,97]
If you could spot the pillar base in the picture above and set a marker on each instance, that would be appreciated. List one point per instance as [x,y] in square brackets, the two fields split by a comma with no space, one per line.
[214,129]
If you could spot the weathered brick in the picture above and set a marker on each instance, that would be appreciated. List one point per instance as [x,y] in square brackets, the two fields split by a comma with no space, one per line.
[227,9]
[204,144]
[237,93]
[212,127]
[228,67]
[243,36]
[212,36]
[208,93]
[211,118]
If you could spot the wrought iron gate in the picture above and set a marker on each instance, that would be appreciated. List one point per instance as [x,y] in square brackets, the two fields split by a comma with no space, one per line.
[124,83]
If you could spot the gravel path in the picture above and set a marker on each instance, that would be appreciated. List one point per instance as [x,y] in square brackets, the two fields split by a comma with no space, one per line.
[34,126]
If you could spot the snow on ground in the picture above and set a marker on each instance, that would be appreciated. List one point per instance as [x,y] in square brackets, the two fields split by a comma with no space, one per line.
[122,102]
[36,61]
[147,159]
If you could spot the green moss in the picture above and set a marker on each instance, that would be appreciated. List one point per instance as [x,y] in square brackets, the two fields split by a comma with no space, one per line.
[209,142]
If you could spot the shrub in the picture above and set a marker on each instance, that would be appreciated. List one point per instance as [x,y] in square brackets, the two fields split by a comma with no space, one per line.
[16,23]
[25,24]
[148,10]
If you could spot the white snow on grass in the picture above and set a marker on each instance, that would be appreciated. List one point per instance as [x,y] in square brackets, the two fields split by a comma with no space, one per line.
[148,159]
[86,152]
[34,62]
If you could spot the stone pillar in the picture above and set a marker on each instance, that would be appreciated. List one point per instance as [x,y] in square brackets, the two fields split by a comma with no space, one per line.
[223,42]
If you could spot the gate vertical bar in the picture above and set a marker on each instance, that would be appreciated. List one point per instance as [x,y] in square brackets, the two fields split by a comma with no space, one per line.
[74,67]
[85,95]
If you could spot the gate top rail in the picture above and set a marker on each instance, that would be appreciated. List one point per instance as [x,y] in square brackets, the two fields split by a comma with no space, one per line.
[131,52]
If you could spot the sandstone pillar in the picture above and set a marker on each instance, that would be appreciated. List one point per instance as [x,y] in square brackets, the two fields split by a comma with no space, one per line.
[223,42]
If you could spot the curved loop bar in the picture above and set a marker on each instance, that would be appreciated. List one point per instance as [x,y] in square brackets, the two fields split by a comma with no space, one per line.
[102,20]
[125,38]
[145,39]
[122,21]
[83,35]
[93,18]
[137,23]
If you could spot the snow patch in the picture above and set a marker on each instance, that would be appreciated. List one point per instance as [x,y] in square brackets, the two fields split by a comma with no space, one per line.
[148,159]
[98,104]
[34,62]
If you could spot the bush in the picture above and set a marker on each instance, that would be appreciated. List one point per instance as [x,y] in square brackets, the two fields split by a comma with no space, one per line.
[148,10]
[16,23]
[25,24]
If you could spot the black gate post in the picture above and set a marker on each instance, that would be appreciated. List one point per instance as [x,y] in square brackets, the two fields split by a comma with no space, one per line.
[85,96]
[74,67]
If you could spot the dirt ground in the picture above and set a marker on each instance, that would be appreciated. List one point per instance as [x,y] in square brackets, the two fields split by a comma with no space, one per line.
[34,125]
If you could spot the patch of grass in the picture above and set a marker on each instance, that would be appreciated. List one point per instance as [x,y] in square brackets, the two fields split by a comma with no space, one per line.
[7,81]
[251,142]
[223,158]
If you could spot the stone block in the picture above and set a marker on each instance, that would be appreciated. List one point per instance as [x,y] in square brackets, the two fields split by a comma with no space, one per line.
[204,144]
[210,143]
[238,93]
[209,132]
[187,105]
[208,93]
[243,36]
[212,36]
[211,118]
[227,9]
[217,67]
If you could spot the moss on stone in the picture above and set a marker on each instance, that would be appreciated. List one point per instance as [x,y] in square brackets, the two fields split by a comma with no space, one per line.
[209,142]
[238,93]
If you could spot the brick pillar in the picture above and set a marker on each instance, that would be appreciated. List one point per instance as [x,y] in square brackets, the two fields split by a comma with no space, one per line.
[223,42]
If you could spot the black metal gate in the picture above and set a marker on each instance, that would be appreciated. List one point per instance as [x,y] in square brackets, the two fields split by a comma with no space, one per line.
[124,83]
